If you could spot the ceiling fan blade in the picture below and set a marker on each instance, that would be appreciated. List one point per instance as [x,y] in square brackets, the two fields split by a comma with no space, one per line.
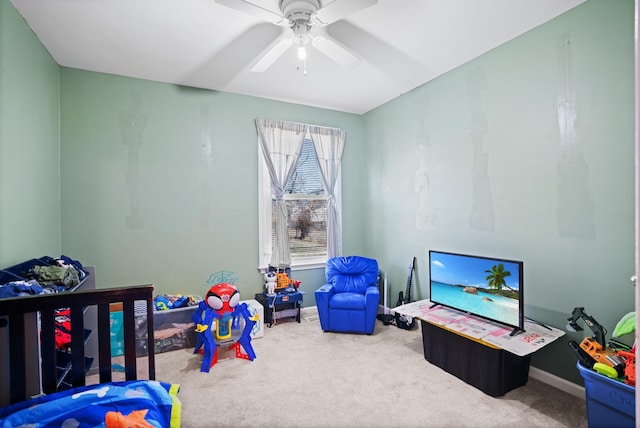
[272,55]
[225,65]
[339,9]
[253,9]
[388,59]
[335,51]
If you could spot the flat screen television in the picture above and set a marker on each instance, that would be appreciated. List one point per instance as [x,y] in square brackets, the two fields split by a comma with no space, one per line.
[490,288]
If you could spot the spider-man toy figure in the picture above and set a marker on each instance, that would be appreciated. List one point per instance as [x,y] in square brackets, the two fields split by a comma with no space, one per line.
[221,312]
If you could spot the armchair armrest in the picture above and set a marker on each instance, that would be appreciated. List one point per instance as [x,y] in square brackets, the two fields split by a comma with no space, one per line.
[372,299]
[323,295]
[327,288]
[372,296]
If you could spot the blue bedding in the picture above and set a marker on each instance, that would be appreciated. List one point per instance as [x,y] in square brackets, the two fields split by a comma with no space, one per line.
[137,403]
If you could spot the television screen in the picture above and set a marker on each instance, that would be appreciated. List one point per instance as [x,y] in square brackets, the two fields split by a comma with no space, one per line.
[488,287]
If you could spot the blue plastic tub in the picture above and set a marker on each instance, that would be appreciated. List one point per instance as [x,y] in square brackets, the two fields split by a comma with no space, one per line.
[22,269]
[610,403]
[6,277]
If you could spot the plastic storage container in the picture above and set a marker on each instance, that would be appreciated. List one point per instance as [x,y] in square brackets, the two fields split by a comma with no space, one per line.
[22,269]
[610,403]
[173,329]
[6,277]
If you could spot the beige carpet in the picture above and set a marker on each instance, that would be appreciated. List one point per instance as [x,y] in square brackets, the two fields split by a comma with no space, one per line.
[303,377]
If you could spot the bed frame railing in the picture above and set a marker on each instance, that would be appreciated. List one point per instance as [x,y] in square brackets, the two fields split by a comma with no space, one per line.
[16,309]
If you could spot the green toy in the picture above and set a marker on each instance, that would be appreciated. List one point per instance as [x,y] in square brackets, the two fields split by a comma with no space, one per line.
[627,324]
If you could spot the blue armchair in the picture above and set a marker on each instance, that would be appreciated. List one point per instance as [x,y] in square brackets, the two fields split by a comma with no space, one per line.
[348,302]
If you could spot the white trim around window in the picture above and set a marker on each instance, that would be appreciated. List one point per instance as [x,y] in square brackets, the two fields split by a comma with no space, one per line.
[264,222]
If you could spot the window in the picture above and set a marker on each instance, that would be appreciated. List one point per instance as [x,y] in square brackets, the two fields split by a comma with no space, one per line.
[307,206]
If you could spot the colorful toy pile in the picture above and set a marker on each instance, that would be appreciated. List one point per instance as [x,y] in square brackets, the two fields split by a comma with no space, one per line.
[614,359]
[164,302]
[279,280]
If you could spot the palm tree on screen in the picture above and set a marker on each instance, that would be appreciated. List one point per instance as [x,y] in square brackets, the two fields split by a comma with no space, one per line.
[496,277]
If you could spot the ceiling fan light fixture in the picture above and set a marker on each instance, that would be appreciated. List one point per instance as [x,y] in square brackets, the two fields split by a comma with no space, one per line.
[305,19]
[301,32]
[302,53]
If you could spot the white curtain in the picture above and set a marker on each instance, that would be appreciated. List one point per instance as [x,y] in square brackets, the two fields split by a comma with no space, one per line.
[281,143]
[329,143]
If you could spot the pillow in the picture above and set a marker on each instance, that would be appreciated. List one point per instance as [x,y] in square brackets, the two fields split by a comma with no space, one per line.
[141,401]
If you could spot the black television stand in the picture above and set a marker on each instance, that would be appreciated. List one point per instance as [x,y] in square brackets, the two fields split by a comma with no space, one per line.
[516,331]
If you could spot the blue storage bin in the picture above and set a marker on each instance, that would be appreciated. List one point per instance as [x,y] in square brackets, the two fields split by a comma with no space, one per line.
[23,268]
[6,277]
[610,403]
[46,260]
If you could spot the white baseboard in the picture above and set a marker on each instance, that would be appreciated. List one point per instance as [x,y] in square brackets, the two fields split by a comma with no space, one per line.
[314,309]
[557,382]
[381,310]
[309,310]
[310,313]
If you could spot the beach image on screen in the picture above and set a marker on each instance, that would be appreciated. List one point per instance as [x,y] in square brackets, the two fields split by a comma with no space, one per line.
[483,286]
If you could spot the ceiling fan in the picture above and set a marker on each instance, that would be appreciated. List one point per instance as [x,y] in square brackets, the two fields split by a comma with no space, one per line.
[305,18]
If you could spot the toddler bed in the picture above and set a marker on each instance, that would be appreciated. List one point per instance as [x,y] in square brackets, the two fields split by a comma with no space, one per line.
[131,402]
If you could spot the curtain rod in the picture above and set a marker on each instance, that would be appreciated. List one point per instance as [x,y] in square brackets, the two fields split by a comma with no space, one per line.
[304,124]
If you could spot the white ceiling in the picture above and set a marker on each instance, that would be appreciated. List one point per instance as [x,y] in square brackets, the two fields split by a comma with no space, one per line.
[401,43]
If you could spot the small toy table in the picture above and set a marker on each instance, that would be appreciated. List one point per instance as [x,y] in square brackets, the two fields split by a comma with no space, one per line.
[280,305]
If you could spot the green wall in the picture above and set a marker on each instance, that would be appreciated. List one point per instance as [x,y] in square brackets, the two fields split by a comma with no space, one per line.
[29,143]
[159,182]
[527,153]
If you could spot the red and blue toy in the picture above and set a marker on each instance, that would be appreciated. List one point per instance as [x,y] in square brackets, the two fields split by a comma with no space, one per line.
[219,321]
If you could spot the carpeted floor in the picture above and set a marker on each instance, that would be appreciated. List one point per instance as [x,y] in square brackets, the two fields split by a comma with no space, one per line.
[303,377]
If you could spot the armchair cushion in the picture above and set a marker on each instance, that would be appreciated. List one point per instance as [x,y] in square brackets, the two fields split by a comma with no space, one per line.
[347,301]
[351,274]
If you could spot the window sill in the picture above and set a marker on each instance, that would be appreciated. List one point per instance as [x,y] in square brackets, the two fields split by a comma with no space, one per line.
[303,264]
